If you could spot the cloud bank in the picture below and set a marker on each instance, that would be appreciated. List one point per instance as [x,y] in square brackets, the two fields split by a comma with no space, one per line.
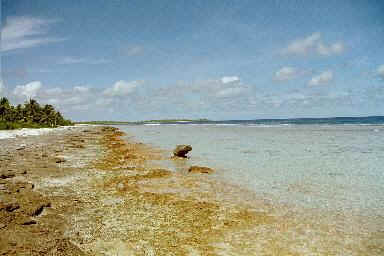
[214,98]
[229,79]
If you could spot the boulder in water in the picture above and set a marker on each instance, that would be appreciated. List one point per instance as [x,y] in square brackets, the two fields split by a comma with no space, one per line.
[182,150]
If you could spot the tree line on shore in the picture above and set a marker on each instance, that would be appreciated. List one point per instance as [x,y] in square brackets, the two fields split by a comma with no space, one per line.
[31,114]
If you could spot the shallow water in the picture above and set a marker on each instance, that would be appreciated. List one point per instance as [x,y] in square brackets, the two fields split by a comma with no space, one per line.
[334,167]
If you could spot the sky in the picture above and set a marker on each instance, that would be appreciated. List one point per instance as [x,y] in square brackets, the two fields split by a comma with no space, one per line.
[217,59]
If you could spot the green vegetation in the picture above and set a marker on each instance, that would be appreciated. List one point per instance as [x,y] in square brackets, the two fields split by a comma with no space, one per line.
[29,115]
[162,121]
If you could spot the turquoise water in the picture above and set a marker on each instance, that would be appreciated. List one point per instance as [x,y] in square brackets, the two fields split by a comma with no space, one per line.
[337,167]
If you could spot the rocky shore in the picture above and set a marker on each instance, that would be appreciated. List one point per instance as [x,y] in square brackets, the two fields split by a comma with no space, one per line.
[88,191]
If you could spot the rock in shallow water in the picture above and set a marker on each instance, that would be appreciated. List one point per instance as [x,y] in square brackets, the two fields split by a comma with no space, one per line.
[182,150]
[59,160]
[200,169]
[26,222]
[38,209]
[10,207]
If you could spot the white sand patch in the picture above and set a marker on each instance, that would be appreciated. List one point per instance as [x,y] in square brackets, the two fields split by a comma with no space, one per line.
[57,182]
[8,134]
[114,248]
[110,201]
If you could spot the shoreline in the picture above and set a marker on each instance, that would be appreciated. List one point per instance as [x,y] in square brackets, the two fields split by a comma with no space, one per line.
[95,193]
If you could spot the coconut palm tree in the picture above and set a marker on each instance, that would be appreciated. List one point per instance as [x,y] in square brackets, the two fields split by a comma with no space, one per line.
[32,111]
[4,108]
[49,115]
[19,113]
[11,114]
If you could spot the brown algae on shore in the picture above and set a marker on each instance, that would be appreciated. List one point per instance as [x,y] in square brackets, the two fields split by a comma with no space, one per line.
[170,223]
[121,153]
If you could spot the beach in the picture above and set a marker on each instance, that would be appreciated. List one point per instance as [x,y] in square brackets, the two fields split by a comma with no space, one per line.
[93,190]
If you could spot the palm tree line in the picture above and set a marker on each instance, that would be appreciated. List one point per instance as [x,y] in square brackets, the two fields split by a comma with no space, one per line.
[30,114]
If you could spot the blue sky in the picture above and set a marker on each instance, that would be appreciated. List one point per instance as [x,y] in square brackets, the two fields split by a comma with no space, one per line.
[135,60]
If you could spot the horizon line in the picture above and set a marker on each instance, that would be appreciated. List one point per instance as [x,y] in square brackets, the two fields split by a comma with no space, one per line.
[257,119]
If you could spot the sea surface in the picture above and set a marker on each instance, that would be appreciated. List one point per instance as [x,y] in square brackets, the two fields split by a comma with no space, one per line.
[331,164]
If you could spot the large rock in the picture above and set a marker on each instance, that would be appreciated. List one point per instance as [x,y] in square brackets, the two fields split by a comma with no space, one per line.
[182,150]
[200,169]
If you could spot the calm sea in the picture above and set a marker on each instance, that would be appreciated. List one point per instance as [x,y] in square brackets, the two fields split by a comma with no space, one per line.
[336,164]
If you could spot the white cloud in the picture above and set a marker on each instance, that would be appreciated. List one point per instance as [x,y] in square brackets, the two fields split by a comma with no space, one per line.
[286,73]
[313,43]
[81,89]
[27,91]
[321,79]
[133,50]
[230,92]
[229,79]
[75,60]
[54,91]
[335,48]
[380,71]
[26,32]
[303,45]
[121,88]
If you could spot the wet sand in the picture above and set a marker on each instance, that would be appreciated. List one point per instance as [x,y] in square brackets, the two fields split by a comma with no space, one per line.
[87,191]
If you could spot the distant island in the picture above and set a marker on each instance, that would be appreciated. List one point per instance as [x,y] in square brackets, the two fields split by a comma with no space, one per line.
[295,121]
[161,121]
[29,115]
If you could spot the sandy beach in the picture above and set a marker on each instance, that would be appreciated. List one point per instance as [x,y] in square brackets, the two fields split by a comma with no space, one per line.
[88,191]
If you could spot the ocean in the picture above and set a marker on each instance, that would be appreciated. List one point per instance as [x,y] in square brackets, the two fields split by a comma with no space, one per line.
[334,163]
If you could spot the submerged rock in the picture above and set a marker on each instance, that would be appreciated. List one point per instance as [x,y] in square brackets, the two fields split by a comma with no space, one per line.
[38,209]
[6,175]
[11,207]
[21,147]
[200,169]
[24,186]
[182,150]
[130,156]
[59,160]
[27,221]
[109,129]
